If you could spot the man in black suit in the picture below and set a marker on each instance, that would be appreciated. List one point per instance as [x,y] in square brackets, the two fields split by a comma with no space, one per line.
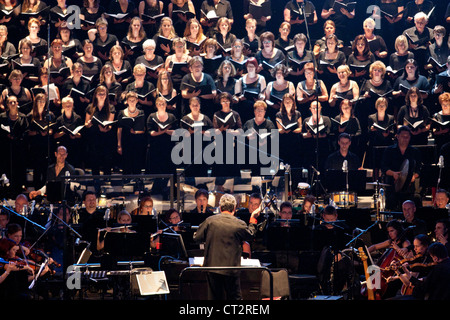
[224,235]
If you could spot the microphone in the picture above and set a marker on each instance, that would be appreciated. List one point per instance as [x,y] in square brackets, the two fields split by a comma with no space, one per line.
[315,170]
[106,216]
[4,179]
[440,163]
[345,166]
[201,208]
[79,241]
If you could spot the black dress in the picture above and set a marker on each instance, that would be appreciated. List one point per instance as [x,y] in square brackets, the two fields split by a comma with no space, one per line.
[13,164]
[290,143]
[260,147]
[101,147]
[40,146]
[232,121]
[404,118]
[75,146]
[197,166]
[377,141]
[133,145]
[159,149]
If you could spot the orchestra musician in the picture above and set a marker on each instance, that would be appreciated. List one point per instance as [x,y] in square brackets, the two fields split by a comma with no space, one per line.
[421,244]
[415,226]
[394,157]
[201,211]
[336,159]
[396,246]
[436,285]
[441,199]
[57,170]
[145,207]
[123,219]
[15,277]
[334,268]
[441,232]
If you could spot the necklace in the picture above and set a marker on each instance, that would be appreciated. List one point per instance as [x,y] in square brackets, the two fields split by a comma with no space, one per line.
[132,112]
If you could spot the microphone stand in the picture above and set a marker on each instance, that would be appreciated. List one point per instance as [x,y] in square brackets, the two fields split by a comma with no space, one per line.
[346,197]
[23,217]
[302,6]
[441,166]
[48,116]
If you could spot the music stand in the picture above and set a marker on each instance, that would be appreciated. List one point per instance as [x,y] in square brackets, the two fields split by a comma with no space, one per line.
[126,245]
[147,224]
[55,191]
[172,244]
[335,180]
[285,238]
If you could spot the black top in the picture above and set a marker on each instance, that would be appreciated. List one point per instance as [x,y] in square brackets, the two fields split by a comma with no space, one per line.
[223,235]
[336,160]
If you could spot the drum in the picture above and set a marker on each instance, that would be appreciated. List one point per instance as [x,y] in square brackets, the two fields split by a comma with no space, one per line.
[303,188]
[344,199]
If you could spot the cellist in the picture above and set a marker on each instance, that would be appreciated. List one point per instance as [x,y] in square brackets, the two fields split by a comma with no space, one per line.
[396,249]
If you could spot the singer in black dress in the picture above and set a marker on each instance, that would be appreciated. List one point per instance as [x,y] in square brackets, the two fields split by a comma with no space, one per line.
[14,125]
[312,127]
[40,138]
[196,124]
[160,127]
[381,130]
[65,134]
[256,130]
[289,123]
[440,125]
[229,123]
[131,139]
[415,115]
[100,136]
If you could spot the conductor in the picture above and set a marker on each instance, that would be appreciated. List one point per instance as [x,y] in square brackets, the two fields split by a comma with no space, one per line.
[224,235]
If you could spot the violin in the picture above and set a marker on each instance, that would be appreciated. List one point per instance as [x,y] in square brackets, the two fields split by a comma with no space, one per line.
[396,264]
[31,264]
[37,255]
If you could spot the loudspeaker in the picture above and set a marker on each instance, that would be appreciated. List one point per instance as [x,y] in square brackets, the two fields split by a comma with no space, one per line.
[146,282]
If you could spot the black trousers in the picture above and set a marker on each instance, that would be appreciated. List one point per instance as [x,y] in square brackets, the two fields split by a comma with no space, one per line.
[224,287]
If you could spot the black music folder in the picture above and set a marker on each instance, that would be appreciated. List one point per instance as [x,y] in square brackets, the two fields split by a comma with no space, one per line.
[336,180]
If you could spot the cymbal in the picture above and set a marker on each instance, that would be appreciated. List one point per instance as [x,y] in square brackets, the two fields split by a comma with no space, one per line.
[402,176]
[378,183]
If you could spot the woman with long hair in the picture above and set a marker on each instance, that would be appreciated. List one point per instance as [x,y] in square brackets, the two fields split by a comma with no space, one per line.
[132,42]
[415,115]
[40,138]
[100,136]
[289,123]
